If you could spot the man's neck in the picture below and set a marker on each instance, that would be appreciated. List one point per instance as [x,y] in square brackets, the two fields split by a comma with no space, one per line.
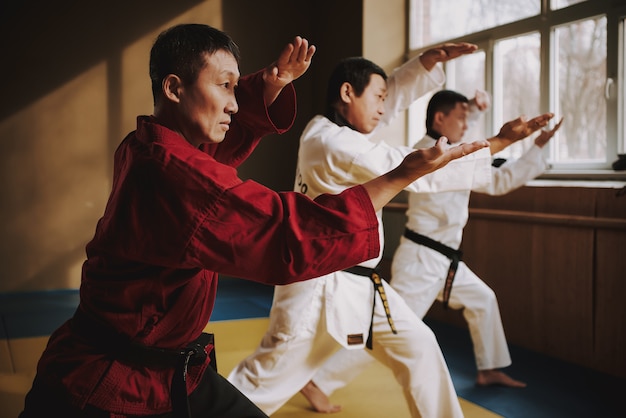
[338,119]
[433,134]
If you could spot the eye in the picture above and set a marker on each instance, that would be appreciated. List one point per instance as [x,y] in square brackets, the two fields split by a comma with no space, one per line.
[229,86]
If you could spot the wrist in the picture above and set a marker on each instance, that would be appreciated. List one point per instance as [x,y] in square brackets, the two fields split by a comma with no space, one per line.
[427,62]
[498,143]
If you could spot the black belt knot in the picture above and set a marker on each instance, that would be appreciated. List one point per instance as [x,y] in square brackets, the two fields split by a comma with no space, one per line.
[378,288]
[140,354]
[454,256]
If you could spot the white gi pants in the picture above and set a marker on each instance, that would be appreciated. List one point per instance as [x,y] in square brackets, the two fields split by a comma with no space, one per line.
[294,348]
[418,275]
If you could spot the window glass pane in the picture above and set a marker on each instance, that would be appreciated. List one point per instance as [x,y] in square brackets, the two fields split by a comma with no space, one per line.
[433,21]
[580,84]
[559,4]
[516,85]
[466,74]
[417,118]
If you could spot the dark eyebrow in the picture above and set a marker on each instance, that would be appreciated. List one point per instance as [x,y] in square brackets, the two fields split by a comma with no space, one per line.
[231,74]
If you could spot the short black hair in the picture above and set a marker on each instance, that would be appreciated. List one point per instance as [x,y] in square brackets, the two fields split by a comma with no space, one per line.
[355,70]
[182,50]
[442,101]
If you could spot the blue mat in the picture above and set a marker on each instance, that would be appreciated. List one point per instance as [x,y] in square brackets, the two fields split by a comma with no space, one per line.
[39,313]
[239,299]
[555,388]
[35,314]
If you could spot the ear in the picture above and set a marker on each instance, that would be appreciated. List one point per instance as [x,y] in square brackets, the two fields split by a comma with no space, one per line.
[346,93]
[438,119]
[172,86]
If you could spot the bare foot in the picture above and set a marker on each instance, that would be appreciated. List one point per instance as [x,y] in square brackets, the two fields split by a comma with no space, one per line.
[318,399]
[497,377]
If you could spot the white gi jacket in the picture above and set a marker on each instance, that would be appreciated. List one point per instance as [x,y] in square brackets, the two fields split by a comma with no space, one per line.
[332,158]
[418,272]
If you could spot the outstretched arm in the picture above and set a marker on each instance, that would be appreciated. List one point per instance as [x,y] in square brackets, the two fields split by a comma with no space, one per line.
[415,165]
[293,61]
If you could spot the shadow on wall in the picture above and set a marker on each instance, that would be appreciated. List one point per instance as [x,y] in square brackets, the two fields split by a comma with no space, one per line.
[50,43]
[79,77]
[76,69]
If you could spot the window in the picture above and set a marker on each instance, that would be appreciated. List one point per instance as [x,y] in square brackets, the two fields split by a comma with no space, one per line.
[559,4]
[434,20]
[516,82]
[564,56]
[467,75]
[579,86]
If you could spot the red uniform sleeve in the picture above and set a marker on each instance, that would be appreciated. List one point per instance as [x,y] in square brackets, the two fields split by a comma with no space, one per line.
[280,238]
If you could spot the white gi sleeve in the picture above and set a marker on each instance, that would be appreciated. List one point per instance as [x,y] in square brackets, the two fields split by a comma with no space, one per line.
[408,83]
[515,173]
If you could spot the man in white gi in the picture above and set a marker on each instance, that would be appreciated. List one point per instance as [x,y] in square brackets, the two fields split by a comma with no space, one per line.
[425,257]
[309,321]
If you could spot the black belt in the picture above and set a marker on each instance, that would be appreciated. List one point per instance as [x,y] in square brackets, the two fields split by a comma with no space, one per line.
[378,288]
[121,348]
[451,253]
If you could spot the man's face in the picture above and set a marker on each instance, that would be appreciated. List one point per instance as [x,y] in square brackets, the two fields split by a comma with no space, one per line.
[454,124]
[207,104]
[364,112]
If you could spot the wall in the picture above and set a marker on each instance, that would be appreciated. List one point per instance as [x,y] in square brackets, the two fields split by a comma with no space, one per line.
[261,32]
[75,77]
[386,45]
[554,255]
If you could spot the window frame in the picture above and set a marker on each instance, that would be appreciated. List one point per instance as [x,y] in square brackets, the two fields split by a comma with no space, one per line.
[545,23]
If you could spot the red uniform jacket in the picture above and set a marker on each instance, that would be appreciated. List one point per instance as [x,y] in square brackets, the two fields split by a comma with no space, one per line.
[177,215]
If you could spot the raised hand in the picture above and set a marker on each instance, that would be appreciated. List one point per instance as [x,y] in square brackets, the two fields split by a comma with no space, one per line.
[481,100]
[293,61]
[445,52]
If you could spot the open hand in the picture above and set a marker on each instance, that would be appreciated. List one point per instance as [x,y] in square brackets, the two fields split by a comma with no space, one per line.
[427,160]
[293,61]
[416,164]
[545,135]
[520,128]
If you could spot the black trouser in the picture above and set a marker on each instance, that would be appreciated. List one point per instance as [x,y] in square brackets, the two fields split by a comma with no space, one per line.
[214,397]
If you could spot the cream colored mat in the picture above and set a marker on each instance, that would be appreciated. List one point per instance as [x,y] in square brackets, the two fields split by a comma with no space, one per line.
[374,394]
